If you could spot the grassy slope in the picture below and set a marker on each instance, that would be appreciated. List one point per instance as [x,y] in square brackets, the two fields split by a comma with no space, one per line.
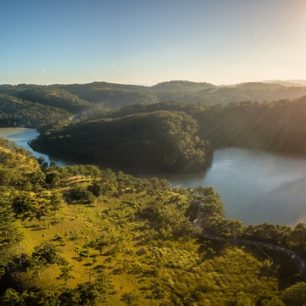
[150,270]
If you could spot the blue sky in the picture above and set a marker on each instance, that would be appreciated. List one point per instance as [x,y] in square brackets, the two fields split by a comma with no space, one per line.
[145,42]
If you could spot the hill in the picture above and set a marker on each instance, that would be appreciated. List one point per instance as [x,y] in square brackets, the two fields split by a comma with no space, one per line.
[112,95]
[54,97]
[82,100]
[118,95]
[80,235]
[18,112]
[275,126]
[208,94]
[176,137]
[154,142]
[287,82]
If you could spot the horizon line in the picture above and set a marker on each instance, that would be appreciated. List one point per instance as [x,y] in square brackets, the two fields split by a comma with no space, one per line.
[294,82]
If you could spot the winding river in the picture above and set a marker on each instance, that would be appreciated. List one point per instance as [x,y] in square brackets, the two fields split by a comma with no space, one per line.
[255,186]
[22,136]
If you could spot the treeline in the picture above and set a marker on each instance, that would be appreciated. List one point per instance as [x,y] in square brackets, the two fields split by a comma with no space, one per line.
[54,97]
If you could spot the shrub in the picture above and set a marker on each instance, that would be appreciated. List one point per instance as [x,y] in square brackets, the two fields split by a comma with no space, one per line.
[79,195]
[46,253]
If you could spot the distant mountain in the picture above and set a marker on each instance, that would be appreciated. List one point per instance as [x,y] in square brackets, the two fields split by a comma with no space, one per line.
[76,97]
[80,100]
[287,82]
[18,112]
[111,95]
[182,86]
[255,91]
[180,91]
[54,97]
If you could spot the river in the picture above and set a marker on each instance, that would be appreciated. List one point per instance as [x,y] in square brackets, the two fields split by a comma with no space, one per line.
[21,136]
[255,186]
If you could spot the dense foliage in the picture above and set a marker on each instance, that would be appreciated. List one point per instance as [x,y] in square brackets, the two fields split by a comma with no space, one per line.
[154,142]
[173,137]
[17,112]
[54,97]
[277,126]
[8,234]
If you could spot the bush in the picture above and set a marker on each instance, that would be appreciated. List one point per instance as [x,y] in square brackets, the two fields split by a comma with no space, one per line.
[46,253]
[23,206]
[79,195]
[95,188]
[295,295]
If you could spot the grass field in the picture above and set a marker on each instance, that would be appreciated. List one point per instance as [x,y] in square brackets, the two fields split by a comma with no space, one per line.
[142,268]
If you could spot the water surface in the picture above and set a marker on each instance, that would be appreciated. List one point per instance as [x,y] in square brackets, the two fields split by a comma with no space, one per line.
[22,136]
[256,186]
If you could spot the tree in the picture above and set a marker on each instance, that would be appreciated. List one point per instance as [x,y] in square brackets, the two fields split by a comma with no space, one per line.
[11,298]
[66,272]
[55,201]
[167,220]
[79,195]
[9,235]
[95,188]
[205,205]
[53,178]
[295,295]
[298,235]
[24,206]
[272,301]
[42,162]
[46,253]
[242,300]
[223,228]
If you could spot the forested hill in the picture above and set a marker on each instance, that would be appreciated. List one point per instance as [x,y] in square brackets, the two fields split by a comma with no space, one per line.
[118,95]
[174,137]
[149,142]
[277,126]
[208,94]
[66,101]
[17,112]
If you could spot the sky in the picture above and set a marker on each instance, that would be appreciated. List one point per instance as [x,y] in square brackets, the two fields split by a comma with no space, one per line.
[150,41]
